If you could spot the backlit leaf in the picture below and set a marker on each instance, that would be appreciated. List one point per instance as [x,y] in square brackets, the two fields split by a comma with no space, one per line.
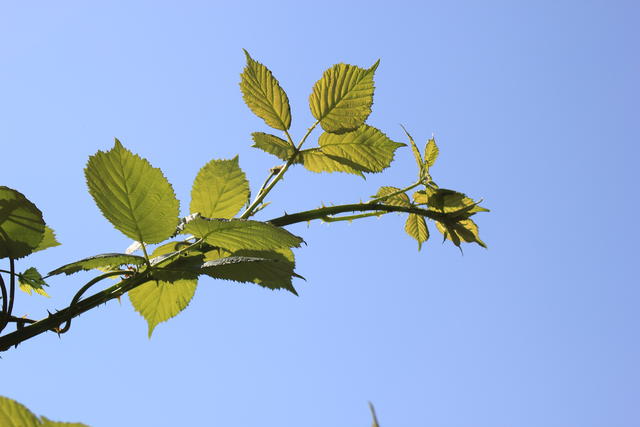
[416,227]
[48,241]
[416,152]
[366,148]
[239,234]
[220,189]
[133,195]
[447,201]
[316,161]
[464,230]
[400,199]
[431,152]
[159,301]
[98,261]
[31,281]
[264,96]
[21,225]
[14,414]
[342,98]
[272,145]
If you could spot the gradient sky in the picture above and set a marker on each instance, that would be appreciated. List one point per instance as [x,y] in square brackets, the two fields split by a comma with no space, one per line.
[535,108]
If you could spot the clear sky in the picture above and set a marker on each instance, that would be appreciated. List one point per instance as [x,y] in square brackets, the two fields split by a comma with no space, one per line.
[535,108]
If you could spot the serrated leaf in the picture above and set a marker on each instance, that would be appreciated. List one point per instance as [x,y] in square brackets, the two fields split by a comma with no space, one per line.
[133,195]
[431,152]
[98,261]
[31,281]
[48,240]
[416,152]
[366,149]
[448,201]
[159,301]
[316,161]
[220,189]
[14,414]
[464,230]
[21,225]
[341,100]
[400,199]
[236,234]
[416,227]
[264,96]
[272,145]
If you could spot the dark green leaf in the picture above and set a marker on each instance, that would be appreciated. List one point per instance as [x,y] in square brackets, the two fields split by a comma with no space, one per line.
[133,195]
[341,100]
[21,225]
[220,189]
[31,281]
[264,96]
[99,261]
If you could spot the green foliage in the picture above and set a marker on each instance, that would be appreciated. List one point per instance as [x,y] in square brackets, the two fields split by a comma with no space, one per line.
[219,239]
[133,195]
[341,100]
[264,96]
[13,414]
[22,228]
[220,189]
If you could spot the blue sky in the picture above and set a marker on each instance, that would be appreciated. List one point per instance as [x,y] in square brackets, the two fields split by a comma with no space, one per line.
[535,108]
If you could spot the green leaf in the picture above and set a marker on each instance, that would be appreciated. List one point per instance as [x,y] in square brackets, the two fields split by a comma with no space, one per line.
[272,145]
[373,415]
[431,152]
[31,281]
[416,152]
[264,96]
[236,234]
[400,199]
[416,227]
[159,301]
[48,241]
[366,149]
[272,275]
[316,161]
[464,230]
[341,100]
[21,225]
[448,201]
[14,414]
[98,261]
[133,195]
[220,189]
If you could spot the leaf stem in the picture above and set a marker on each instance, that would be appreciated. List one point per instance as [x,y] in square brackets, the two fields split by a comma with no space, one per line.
[3,315]
[261,195]
[395,193]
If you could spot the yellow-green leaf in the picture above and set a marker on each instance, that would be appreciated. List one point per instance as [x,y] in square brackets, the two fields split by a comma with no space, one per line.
[390,196]
[14,414]
[447,201]
[341,100]
[237,234]
[431,152]
[99,261]
[48,241]
[31,281]
[416,152]
[220,189]
[22,228]
[159,301]
[416,227]
[264,96]
[366,149]
[272,145]
[316,161]
[133,195]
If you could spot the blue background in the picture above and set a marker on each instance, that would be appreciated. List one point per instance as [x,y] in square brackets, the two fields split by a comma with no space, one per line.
[535,108]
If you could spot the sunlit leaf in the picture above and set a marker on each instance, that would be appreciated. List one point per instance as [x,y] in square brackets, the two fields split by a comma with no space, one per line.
[21,225]
[461,231]
[447,201]
[99,261]
[220,189]
[133,195]
[366,148]
[399,199]
[264,96]
[431,152]
[239,234]
[374,416]
[14,414]
[416,227]
[31,281]
[342,98]
[272,145]
[316,161]
[48,241]
[159,301]
[416,152]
